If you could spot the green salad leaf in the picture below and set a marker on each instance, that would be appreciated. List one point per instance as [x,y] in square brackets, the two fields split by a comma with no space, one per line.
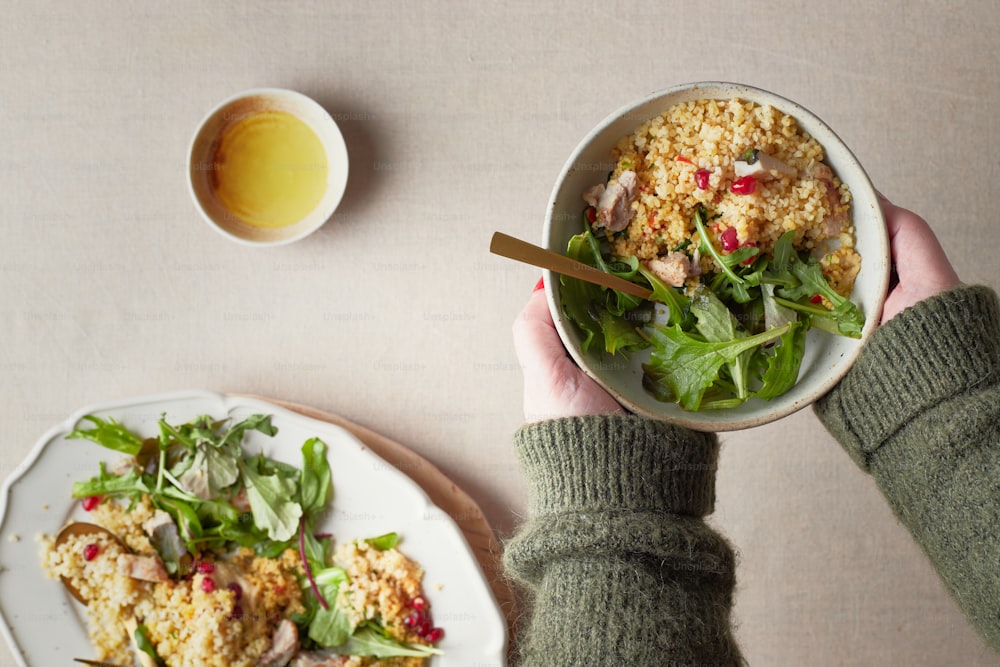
[272,500]
[383,542]
[370,640]
[330,626]
[109,433]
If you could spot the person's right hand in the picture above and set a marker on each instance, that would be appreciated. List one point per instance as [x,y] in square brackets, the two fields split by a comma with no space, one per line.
[920,263]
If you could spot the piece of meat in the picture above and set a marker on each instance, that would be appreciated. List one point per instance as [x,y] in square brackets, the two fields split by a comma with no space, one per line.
[592,195]
[319,659]
[164,537]
[838,219]
[614,209]
[146,568]
[284,645]
[764,167]
[673,269]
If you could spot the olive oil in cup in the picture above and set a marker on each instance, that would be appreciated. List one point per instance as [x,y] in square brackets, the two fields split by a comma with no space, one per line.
[267,167]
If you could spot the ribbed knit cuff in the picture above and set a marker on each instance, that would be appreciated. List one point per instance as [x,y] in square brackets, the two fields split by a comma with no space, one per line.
[941,347]
[607,462]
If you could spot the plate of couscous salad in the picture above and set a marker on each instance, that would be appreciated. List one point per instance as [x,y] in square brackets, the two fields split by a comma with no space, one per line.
[200,530]
[757,236]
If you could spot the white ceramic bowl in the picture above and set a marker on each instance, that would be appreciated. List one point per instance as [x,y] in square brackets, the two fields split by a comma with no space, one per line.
[827,357]
[201,163]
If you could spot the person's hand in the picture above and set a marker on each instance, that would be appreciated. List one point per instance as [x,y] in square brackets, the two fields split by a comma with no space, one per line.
[554,386]
[921,266]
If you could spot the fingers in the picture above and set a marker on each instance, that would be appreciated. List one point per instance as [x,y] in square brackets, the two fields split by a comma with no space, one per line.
[916,250]
[920,263]
[536,341]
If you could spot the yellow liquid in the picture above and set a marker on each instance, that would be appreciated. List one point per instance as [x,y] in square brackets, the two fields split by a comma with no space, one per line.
[269,169]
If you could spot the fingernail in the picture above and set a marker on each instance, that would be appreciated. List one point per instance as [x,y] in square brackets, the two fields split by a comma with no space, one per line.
[539,285]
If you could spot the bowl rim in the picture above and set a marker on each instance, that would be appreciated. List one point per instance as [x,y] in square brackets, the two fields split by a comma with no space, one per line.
[333,143]
[880,256]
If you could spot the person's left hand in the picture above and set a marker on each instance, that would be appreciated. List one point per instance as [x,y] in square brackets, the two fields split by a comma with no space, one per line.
[554,386]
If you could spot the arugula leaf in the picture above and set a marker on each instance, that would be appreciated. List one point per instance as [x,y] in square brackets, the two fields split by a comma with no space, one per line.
[272,502]
[383,542]
[689,366]
[256,422]
[602,315]
[783,364]
[315,484]
[717,324]
[106,484]
[331,626]
[369,641]
[145,644]
[109,433]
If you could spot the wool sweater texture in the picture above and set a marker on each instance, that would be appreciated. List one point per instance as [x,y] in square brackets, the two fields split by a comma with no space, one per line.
[616,557]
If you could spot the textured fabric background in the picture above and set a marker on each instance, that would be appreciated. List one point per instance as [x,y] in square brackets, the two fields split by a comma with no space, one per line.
[458,118]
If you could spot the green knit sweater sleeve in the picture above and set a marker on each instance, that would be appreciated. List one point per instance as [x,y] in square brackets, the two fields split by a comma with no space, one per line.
[615,554]
[920,411]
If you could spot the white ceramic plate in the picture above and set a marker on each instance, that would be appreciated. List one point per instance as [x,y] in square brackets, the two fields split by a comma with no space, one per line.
[44,626]
[827,357]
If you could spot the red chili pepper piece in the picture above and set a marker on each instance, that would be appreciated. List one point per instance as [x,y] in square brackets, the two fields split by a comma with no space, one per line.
[681,158]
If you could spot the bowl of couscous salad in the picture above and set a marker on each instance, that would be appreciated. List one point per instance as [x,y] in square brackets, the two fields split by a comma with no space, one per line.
[198,529]
[756,235]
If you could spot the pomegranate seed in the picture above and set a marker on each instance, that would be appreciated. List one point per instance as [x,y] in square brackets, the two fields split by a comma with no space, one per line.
[729,240]
[419,602]
[749,260]
[90,503]
[208,584]
[591,214]
[435,635]
[425,629]
[90,552]
[701,178]
[205,567]
[816,298]
[236,590]
[414,620]
[743,186]
[237,611]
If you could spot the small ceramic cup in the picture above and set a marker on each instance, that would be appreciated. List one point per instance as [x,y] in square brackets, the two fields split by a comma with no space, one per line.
[202,164]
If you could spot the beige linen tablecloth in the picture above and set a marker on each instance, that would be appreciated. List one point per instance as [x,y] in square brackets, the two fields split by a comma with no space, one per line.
[458,118]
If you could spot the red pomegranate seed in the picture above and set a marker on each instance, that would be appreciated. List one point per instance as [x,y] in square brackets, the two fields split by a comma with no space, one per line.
[208,584]
[816,298]
[425,629]
[237,611]
[419,602]
[743,186]
[236,590]
[591,214]
[90,552]
[729,240]
[414,620]
[435,635]
[205,567]
[701,178]
[90,503]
